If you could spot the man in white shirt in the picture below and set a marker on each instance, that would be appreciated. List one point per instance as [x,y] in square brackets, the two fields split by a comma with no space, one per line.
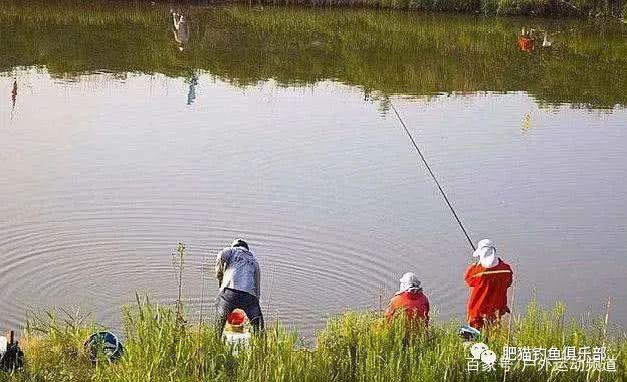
[238,274]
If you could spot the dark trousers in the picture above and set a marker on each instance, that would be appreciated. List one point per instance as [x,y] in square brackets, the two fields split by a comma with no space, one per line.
[231,299]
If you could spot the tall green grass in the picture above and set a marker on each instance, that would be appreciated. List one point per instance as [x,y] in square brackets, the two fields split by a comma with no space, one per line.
[351,347]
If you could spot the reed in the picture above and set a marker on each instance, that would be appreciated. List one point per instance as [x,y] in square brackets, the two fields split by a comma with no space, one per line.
[178,266]
[354,346]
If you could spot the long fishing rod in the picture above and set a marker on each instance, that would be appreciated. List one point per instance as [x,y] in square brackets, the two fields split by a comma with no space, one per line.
[424,160]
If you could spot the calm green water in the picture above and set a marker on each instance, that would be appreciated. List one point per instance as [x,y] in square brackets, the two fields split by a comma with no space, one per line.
[275,124]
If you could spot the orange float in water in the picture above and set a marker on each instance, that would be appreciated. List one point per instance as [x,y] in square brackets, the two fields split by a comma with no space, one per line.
[236,317]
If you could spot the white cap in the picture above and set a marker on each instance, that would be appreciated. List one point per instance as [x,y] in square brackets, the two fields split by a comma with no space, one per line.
[409,281]
[486,252]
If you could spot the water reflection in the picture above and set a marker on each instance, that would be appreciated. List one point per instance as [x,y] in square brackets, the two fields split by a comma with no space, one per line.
[191,93]
[528,39]
[181,29]
[380,52]
[13,98]
[526,123]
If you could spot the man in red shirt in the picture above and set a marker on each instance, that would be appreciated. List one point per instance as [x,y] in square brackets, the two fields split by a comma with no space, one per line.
[488,280]
[410,299]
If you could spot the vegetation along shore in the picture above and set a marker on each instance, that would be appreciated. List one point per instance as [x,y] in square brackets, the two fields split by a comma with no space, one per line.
[171,342]
[353,346]
[384,53]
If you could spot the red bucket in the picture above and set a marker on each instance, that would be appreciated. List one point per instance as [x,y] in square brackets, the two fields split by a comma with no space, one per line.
[236,317]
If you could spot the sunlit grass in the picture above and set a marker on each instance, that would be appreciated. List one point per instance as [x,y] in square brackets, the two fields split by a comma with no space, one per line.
[351,347]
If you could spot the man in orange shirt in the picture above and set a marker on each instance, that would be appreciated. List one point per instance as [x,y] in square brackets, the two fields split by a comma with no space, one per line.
[488,280]
[410,299]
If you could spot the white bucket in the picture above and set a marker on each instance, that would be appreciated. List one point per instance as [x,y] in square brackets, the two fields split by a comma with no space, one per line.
[4,342]
[235,338]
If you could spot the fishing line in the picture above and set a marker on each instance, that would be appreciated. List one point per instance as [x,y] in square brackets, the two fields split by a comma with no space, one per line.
[424,160]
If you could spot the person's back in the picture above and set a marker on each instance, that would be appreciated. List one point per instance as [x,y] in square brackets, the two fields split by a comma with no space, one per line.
[488,280]
[410,299]
[415,305]
[240,270]
[238,274]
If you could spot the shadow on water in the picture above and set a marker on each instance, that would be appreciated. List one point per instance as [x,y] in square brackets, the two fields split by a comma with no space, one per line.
[383,53]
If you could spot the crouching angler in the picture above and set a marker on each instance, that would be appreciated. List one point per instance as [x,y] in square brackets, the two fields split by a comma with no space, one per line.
[238,274]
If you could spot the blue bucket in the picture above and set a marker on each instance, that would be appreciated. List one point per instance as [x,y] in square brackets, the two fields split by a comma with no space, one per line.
[104,343]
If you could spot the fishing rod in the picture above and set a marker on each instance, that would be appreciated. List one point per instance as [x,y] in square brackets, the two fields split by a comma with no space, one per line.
[424,160]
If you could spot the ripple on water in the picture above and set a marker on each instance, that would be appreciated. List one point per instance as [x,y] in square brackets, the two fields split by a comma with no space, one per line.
[58,262]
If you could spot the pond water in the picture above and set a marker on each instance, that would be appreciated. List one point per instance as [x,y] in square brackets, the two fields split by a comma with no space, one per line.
[275,124]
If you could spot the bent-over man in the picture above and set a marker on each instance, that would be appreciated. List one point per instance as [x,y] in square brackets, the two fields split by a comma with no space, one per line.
[238,274]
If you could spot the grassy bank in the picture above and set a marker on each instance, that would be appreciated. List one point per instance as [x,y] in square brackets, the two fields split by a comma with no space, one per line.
[352,347]
[383,53]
